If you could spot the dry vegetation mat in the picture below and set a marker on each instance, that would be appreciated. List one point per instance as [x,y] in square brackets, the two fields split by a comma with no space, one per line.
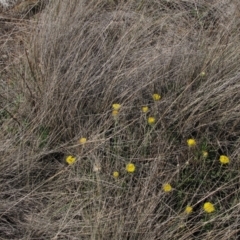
[121,120]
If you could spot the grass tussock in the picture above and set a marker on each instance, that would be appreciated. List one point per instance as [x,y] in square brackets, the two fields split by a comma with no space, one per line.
[120,120]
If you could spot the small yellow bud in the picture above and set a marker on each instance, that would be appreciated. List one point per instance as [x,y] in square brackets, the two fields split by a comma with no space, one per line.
[116,174]
[202,74]
[116,106]
[151,120]
[188,210]
[115,113]
[82,140]
[224,159]
[167,187]
[205,154]
[208,207]
[145,109]
[70,160]
[130,167]
[156,97]
[191,142]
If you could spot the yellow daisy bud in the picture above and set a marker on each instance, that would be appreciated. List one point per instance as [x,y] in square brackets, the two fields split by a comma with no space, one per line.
[116,174]
[115,113]
[70,160]
[151,120]
[156,97]
[130,167]
[208,207]
[116,106]
[167,187]
[205,154]
[82,140]
[224,159]
[191,142]
[202,74]
[188,210]
[145,109]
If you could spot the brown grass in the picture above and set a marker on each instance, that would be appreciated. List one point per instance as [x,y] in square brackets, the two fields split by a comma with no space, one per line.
[81,57]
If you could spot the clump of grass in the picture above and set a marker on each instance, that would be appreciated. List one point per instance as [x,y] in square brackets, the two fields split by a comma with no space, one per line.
[129,76]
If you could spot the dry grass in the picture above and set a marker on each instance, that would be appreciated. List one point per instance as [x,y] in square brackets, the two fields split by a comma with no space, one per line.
[82,57]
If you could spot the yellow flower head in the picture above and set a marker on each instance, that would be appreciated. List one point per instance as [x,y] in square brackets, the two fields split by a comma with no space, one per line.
[145,109]
[208,207]
[191,142]
[115,113]
[202,74]
[130,167]
[156,97]
[82,140]
[116,106]
[188,210]
[116,174]
[224,159]
[205,154]
[167,187]
[70,160]
[151,120]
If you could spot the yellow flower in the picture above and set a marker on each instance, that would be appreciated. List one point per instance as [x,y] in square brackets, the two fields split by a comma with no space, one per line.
[188,210]
[191,142]
[116,174]
[130,167]
[70,160]
[82,140]
[202,74]
[115,113]
[224,159]
[167,187]
[156,97]
[151,120]
[116,106]
[205,154]
[145,109]
[208,207]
